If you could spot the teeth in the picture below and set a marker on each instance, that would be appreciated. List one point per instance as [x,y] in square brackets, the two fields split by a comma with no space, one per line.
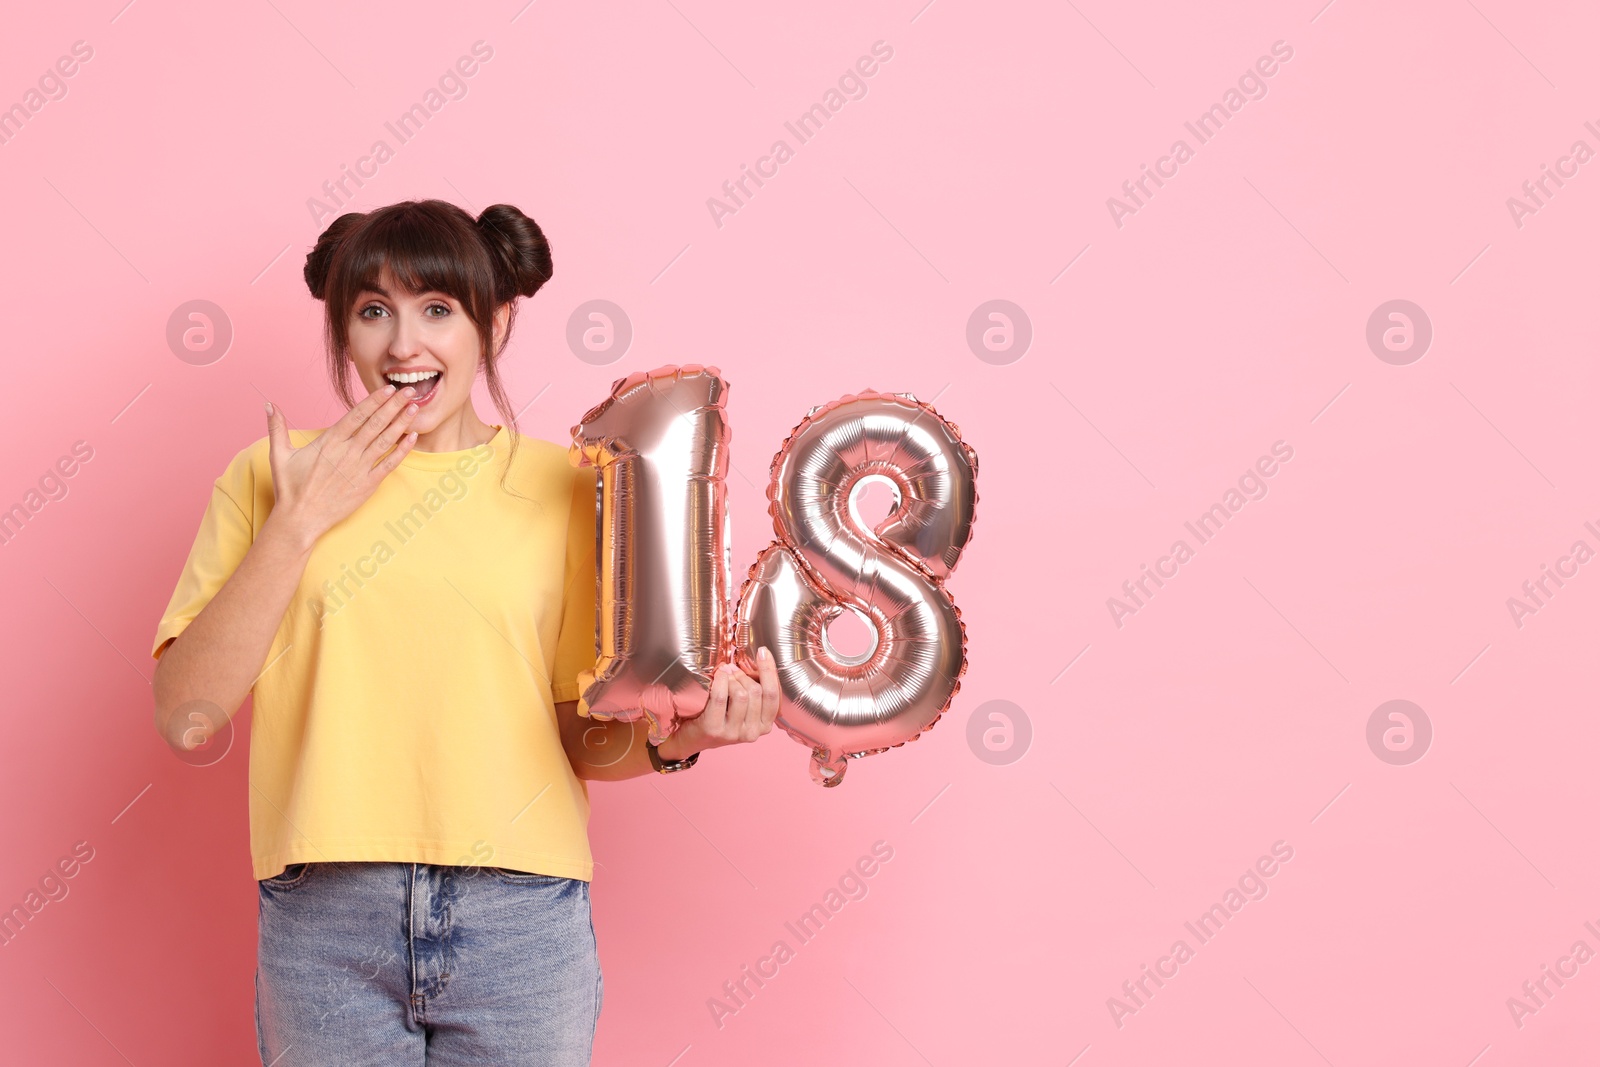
[414,376]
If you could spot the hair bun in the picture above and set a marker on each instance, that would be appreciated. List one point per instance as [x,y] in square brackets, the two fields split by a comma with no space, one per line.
[519,248]
[320,258]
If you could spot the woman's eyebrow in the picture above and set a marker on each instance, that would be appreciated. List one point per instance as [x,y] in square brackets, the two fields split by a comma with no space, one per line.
[381,291]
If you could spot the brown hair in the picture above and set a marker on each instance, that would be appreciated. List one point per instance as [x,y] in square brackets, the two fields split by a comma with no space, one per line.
[430,245]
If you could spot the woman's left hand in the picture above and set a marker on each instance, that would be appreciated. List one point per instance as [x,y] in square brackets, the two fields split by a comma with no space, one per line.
[740,708]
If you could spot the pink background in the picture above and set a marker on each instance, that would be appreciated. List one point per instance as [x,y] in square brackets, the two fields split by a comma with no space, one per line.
[1228,313]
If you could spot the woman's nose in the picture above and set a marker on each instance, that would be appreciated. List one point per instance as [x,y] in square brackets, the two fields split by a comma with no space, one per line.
[407,338]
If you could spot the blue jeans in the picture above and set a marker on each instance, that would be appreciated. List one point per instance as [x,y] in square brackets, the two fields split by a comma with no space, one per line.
[416,963]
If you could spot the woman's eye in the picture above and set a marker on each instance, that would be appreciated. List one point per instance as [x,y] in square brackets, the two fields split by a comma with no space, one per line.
[381,309]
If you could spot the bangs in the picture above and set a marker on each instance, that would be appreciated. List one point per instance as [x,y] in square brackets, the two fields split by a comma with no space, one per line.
[422,255]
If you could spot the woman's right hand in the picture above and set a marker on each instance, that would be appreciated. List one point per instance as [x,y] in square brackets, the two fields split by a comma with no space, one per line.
[317,485]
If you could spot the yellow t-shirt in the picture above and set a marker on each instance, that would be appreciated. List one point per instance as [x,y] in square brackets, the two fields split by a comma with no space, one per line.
[405,711]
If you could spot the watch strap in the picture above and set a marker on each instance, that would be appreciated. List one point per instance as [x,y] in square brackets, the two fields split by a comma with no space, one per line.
[667,766]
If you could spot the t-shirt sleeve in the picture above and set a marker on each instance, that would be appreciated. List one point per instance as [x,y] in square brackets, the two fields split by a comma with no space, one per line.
[575,649]
[225,535]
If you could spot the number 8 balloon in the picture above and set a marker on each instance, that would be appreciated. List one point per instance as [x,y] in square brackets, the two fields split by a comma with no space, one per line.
[826,561]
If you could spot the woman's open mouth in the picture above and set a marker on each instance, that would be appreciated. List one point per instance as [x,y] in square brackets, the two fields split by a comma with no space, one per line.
[425,383]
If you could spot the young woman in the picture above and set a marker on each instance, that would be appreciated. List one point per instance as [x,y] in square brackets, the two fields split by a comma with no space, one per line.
[410,595]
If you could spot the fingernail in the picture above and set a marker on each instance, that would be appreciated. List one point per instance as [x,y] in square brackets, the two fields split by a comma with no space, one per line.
[269,407]
[764,653]
[388,390]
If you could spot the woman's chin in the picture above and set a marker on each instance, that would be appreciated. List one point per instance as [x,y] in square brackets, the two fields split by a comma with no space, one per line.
[428,419]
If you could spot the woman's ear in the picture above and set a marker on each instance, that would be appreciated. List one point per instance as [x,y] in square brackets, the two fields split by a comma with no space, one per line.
[501,314]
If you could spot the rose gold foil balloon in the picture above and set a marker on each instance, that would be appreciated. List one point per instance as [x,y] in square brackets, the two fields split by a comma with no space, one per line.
[827,560]
[660,441]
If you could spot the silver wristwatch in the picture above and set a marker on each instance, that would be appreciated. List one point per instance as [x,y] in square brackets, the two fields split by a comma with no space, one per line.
[667,766]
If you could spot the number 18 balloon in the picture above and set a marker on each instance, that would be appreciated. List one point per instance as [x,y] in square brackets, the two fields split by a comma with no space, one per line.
[661,444]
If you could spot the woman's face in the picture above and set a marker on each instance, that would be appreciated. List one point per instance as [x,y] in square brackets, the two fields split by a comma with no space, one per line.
[427,337]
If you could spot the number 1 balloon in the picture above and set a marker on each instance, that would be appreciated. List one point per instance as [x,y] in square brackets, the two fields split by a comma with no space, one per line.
[827,560]
[660,442]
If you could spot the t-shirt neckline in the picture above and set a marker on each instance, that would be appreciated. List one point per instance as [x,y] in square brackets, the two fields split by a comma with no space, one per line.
[438,461]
